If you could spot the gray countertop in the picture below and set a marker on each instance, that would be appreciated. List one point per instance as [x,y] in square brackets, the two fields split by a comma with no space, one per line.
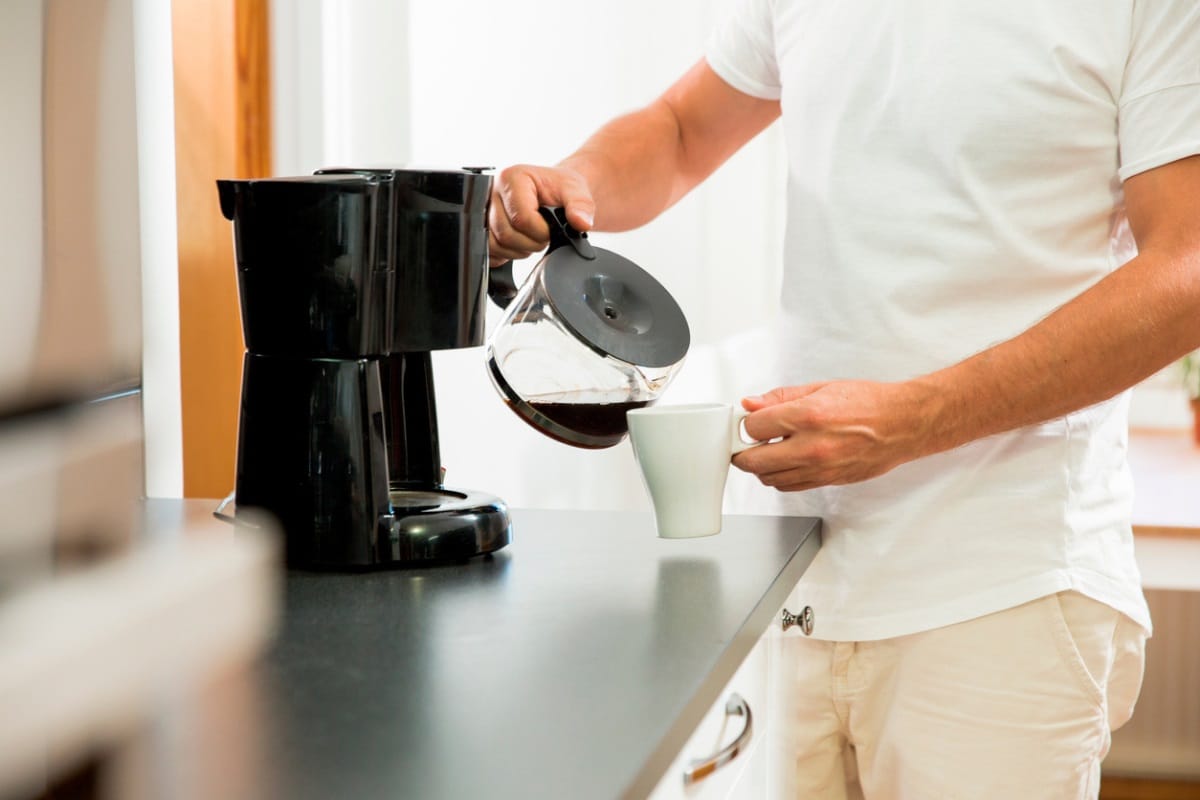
[572,664]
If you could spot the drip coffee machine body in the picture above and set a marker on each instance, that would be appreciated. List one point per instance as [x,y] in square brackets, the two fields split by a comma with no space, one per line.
[348,279]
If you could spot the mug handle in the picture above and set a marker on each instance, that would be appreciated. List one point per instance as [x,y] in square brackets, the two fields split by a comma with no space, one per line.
[739,443]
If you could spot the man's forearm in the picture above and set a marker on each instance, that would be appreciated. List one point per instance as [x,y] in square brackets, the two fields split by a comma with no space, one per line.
[1128,326]
[633,167]
[639,165]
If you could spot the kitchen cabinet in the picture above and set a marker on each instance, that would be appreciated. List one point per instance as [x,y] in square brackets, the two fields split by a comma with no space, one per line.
[740,718]
[759,768]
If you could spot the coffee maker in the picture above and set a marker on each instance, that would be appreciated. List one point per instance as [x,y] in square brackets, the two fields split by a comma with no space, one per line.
[348,279]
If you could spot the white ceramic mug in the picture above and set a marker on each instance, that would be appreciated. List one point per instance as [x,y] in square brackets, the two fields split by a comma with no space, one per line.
[684,452]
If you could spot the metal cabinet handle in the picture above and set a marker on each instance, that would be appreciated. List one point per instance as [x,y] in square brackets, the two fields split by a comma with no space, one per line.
[701,768]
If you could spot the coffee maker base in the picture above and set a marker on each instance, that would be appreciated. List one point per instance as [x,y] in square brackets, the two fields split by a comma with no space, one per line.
[441,525]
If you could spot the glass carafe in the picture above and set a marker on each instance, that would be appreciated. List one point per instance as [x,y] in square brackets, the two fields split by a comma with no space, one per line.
[588,336]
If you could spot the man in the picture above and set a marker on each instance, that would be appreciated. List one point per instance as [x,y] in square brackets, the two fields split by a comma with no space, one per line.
[957,331]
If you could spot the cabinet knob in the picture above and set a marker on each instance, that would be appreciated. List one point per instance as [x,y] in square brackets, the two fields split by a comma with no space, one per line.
[804,619]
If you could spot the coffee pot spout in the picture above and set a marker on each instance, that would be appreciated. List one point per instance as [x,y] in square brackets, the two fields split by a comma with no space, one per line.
[227,190]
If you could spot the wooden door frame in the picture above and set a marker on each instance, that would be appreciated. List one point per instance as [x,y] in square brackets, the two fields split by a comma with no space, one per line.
[222,130]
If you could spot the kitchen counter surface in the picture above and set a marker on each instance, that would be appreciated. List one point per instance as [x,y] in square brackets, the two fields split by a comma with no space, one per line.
[573,663]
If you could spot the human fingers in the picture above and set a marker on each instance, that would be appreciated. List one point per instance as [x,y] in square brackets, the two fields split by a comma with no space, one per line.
[771,457]
[579,205]
[781,394]
[566,187]
[779,420]
[811,476]
[524,189]
[516,226]
[807,460]
[794,480]
[798,467]
[515,229]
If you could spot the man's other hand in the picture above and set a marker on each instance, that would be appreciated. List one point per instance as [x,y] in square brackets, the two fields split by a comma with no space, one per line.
[834,433]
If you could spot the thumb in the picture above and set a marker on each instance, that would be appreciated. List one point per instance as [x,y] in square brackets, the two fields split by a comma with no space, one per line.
[782,394]
[572,192]
[580,208]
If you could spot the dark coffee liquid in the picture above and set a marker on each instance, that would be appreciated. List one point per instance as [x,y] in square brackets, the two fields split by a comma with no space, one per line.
[601,423]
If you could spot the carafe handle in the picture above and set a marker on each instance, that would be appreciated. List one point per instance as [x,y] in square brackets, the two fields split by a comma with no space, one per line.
[502,288]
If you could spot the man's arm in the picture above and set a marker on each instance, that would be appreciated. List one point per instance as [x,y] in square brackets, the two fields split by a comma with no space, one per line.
[1127,326]
[633,168]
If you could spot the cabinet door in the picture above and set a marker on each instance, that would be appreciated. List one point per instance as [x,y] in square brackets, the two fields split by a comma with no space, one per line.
[782,698]
[754,781]
[717,730]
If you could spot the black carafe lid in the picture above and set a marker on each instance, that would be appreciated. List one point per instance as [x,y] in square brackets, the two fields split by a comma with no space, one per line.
[610,303]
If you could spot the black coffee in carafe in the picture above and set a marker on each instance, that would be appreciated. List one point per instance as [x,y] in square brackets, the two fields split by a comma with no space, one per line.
[348,279]
[600,424]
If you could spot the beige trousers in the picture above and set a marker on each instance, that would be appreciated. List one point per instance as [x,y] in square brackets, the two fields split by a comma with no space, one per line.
[1016,705]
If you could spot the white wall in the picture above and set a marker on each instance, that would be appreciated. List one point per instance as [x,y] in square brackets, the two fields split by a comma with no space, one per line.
[473,82]
[1159,403]
[161,393]
[340,83]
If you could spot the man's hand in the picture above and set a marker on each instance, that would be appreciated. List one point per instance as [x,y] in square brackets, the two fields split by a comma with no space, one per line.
[834,433]
[515,228]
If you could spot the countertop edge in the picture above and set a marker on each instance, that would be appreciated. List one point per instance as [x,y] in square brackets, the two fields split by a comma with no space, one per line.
[706,694]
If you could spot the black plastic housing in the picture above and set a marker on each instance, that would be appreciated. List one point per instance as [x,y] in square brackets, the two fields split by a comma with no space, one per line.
[347,280]
[311,451]
[351,263]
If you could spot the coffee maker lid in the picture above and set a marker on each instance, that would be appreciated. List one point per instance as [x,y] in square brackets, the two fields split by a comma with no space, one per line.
[453,190]
[610,303]
[284,191]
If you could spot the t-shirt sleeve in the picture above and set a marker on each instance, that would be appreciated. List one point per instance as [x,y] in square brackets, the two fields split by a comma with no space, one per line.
[742,49]
[1158,119]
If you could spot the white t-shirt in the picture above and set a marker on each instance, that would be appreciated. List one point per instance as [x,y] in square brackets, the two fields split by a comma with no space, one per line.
[955,175]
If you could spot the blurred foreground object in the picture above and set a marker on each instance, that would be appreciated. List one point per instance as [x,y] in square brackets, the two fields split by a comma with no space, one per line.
[107,611]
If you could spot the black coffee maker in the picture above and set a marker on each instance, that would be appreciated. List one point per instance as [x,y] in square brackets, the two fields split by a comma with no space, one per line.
[348,280]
